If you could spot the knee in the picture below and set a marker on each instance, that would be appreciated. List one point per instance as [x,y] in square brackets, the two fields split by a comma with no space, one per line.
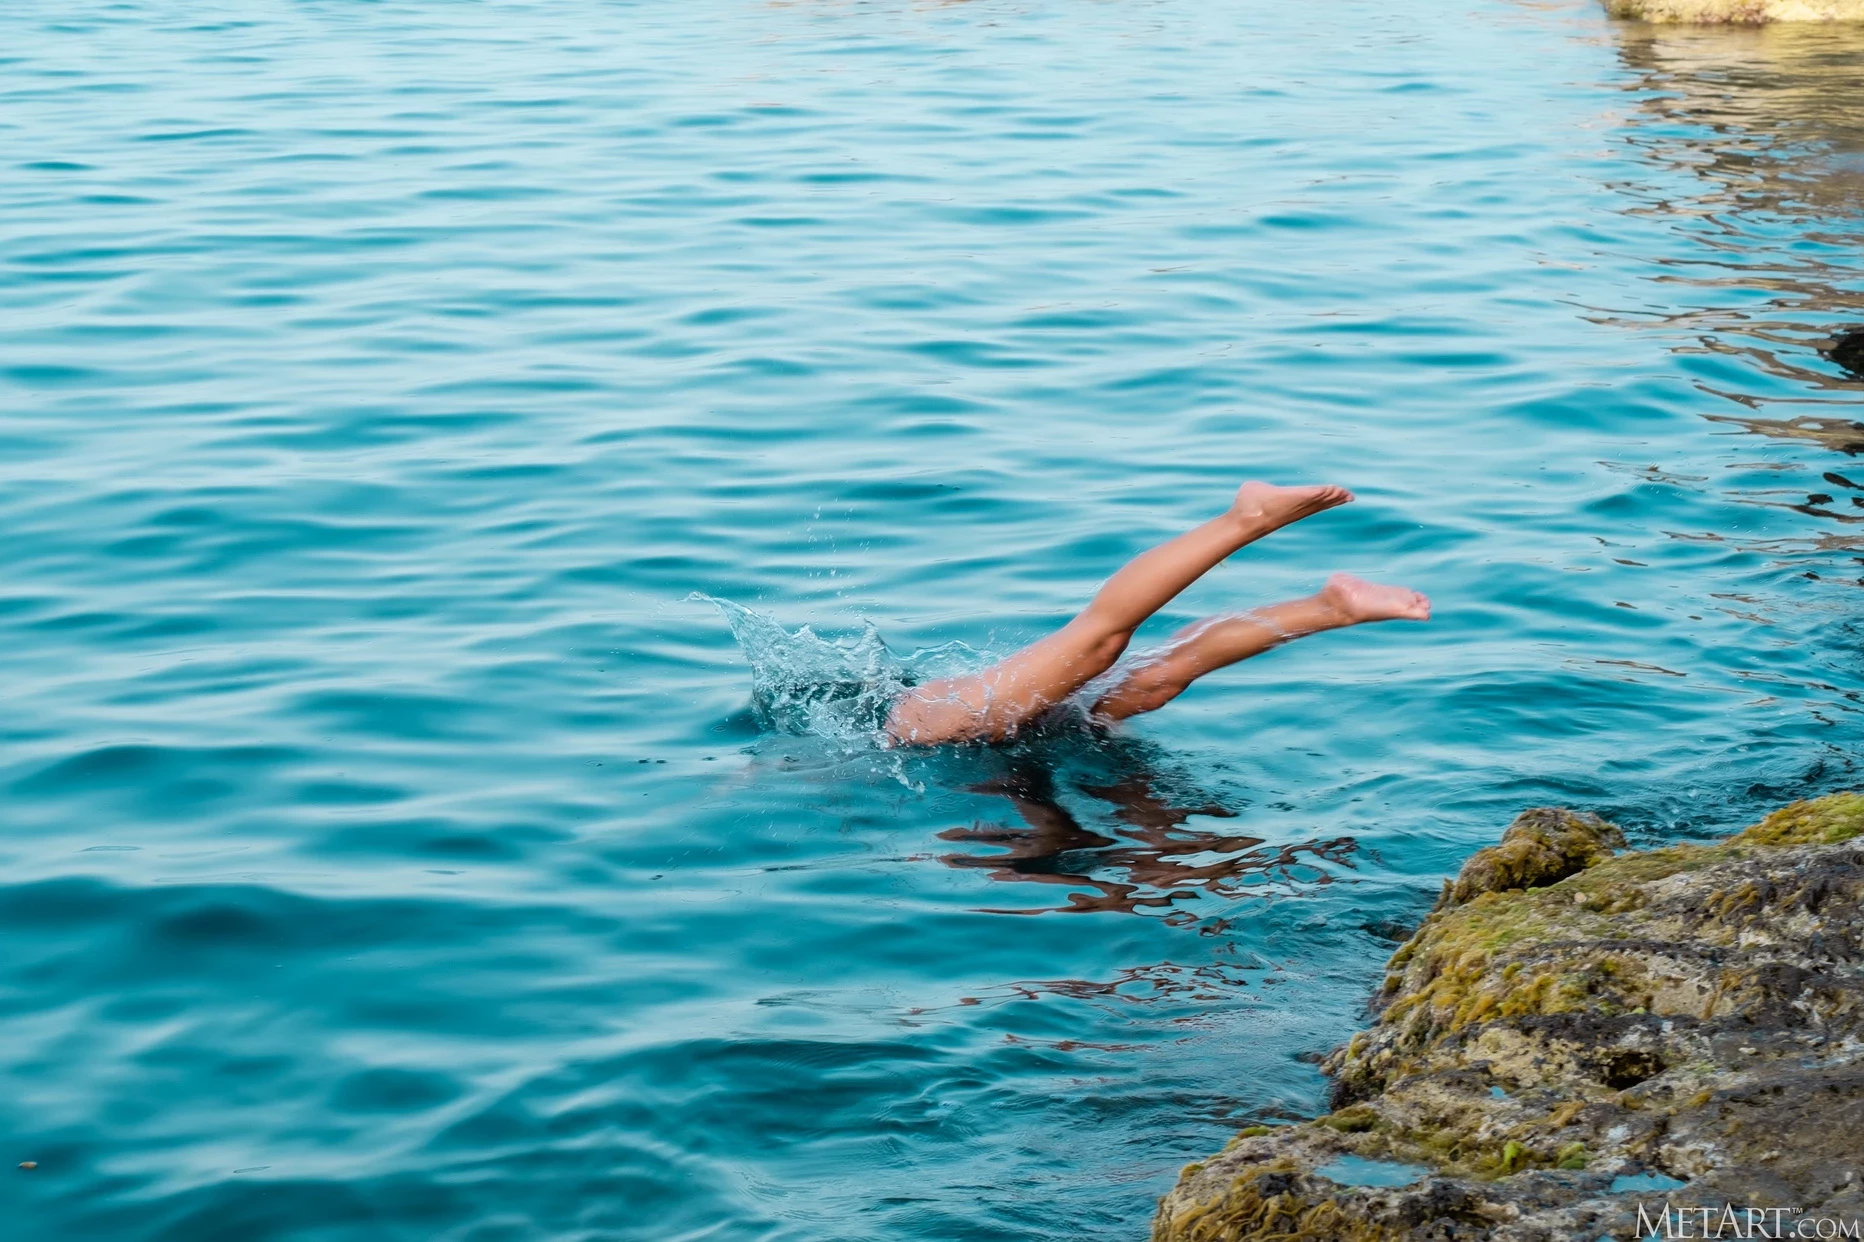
[1152,693]
[1158,696]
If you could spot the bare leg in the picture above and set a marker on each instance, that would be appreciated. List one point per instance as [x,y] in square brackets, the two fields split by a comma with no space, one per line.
[1216,642]
[996,702]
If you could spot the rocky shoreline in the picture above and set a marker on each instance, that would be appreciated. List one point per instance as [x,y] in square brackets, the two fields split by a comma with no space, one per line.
[1737,12]
[1576,1033]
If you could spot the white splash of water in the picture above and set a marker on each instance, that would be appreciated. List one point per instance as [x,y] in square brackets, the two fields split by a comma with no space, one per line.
[835,688]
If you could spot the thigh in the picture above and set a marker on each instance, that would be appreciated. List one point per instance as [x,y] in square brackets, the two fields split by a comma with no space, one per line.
[995,703]
[951,709]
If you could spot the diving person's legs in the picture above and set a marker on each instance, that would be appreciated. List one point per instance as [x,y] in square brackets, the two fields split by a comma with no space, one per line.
[993,704]
[1217,642]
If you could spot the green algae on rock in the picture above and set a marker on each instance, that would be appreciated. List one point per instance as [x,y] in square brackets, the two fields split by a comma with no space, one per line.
[1542,846]
[1695,1012]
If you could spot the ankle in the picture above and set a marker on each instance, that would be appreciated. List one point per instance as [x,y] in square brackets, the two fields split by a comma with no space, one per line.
[1244,527]
[1309,615]
[1331,614]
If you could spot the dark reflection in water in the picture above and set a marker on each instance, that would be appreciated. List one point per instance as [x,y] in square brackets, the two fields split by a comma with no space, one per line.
[1154,858]
[1770,122]
[1163,981]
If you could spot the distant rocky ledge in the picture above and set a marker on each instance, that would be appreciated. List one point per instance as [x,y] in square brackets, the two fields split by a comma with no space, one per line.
[1738,12]
[1573,1035]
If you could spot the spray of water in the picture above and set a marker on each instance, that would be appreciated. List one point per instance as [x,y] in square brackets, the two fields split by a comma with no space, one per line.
[835,688]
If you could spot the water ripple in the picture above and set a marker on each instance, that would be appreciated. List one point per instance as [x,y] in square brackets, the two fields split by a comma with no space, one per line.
[395,850]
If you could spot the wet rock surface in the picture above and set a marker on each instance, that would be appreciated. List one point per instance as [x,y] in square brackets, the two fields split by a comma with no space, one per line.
[1571,1034]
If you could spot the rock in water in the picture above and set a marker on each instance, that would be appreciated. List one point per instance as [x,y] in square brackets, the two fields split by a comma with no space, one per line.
[1848,351]
[1737,12]
[1683,1026]
[1543,846]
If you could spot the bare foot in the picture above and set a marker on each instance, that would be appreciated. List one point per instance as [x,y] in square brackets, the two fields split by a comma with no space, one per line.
[1357,600]
[1263,507]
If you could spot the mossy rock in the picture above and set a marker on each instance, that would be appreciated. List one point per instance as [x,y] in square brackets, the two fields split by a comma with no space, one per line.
[1541,847]
[1566,1015]
[1831,820]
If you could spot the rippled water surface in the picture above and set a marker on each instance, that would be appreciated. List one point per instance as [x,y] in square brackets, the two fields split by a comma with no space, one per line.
[389,845]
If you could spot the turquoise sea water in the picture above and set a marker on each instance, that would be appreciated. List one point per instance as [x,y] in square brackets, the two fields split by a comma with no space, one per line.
[389,848]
